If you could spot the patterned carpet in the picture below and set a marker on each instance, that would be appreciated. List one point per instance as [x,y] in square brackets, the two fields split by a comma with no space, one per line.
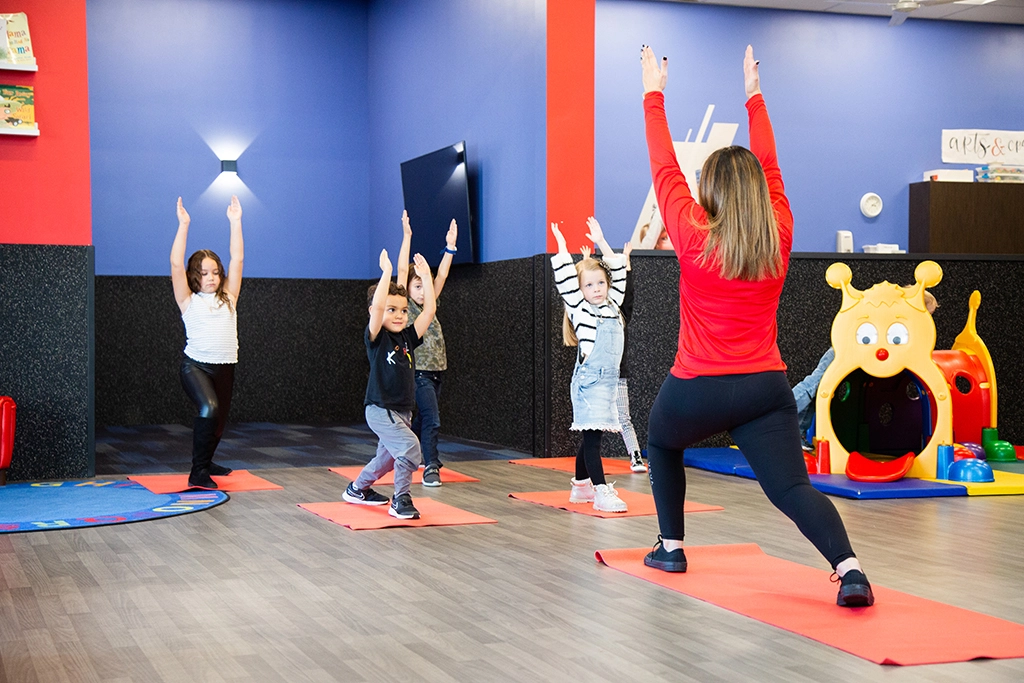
[259,445]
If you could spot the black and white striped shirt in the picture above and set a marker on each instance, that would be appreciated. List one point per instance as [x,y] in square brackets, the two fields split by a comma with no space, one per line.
[582,315]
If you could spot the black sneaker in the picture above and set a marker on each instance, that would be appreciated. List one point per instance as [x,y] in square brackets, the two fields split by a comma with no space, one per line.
[666,561]
[219,470]
[365,496]
[432,475]
[201,480]
[403,508]
[854,590]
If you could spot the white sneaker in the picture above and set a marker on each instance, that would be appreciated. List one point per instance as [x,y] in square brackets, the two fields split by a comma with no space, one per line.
[607,500]
[581,492]
[636,463]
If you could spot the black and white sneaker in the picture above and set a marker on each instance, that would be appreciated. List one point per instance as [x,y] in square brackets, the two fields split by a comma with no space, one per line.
[432,476]
[365,496]
[636,462]
[402,507]
[854,590]
[666,560]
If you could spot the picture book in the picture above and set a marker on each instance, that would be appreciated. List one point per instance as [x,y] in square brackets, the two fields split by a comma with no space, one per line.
[15,42]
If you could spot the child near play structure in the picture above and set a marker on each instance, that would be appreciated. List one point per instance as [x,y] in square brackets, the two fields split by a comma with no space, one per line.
[391,389]
[431,360]
[636,460]
[733,248]
[804,391]
[208,297]
[592,292]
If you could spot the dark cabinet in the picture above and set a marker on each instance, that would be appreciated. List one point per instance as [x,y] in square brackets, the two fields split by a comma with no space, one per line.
[966,218]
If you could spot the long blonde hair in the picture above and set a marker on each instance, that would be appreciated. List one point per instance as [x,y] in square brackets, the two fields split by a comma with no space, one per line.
[743,240]
[568,333]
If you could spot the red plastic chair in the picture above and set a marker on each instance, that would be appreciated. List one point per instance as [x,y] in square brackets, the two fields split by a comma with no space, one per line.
[7,412]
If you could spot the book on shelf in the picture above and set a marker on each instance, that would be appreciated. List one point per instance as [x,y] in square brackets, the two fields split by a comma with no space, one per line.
[15,41]
[17,107]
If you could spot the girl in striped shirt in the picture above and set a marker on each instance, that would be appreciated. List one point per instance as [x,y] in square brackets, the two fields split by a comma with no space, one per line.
[592,291]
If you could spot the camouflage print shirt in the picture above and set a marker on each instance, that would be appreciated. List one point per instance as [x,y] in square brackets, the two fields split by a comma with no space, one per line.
[431,355]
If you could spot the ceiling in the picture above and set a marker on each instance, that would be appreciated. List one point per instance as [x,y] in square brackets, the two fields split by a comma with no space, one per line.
[998,12]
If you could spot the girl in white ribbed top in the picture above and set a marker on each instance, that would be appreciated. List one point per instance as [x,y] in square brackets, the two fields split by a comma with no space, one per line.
[207,299]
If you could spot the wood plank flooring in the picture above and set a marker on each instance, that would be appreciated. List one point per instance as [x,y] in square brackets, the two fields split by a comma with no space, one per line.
[259,590]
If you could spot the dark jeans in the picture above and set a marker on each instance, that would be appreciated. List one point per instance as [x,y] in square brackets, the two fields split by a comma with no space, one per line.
[759,413]
[427,422]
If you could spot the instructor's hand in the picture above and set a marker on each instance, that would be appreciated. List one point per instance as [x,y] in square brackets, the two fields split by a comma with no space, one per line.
[655,75]
[751,78]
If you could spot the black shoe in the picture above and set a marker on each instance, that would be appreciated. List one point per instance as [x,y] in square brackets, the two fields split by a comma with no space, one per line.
[365,496]
[403,508]
[666,561]
[432,475]
[854,590]
[219,470]
[201,480]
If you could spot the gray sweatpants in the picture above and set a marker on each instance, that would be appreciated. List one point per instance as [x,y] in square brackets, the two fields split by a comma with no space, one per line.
[398,449]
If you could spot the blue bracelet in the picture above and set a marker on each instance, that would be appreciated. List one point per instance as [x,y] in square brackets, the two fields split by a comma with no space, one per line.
[448,250]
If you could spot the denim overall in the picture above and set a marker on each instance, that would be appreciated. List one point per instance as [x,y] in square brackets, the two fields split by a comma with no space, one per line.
[595,381]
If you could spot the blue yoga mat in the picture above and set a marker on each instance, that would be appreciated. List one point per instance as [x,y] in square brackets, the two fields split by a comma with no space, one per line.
[40,506]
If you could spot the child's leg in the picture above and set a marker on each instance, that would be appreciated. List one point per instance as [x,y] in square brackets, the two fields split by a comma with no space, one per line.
[428,419]
[628,433]
[402,445]
[590,457]
[378,420]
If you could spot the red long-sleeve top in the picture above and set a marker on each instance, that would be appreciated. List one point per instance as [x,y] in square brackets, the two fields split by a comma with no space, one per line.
[726,327]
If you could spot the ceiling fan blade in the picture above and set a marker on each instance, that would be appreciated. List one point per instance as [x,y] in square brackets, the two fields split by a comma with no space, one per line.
[898,18]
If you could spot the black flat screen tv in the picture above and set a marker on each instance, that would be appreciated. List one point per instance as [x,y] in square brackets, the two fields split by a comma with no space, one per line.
[436,190]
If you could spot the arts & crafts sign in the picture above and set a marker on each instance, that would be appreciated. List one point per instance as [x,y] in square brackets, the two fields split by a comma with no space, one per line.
[972,146]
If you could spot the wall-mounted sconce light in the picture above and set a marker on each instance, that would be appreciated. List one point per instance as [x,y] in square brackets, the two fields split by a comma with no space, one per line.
[227,166]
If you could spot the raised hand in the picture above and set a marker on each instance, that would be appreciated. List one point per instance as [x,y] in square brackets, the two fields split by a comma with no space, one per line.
[453,234]
[183,217]
[421,266]
[585,250]
[654,75]
[596,235]
[385,262]
[751,78]
[234,209]
[559,238]
[406,226]
[627,249]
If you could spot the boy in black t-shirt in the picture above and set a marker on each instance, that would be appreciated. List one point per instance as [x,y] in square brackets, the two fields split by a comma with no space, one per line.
[391,389]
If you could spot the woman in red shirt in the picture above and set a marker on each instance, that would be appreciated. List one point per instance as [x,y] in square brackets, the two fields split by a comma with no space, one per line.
[733,247]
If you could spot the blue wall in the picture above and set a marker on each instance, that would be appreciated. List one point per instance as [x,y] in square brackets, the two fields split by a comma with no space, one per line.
[171,79]
[448,70]
[857,105]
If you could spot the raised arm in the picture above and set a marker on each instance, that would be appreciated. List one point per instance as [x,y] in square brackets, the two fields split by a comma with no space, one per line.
[179,278]
[424,319]
[566,280]
[678,208]
[402,267]
[596,235]
[380,296]
[446,260]
[762,142]
[234,283]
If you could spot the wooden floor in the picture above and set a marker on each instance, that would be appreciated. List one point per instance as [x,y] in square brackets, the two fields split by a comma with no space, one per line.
[259,590]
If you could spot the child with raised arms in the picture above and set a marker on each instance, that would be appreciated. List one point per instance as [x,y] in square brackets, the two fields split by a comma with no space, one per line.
[592,292]
[391,389]
[431,359]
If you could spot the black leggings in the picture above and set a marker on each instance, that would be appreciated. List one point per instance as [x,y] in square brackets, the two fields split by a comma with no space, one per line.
[759,412]
[209,386]
[588,459]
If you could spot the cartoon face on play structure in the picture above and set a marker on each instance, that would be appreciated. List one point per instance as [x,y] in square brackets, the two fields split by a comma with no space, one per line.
[884,329]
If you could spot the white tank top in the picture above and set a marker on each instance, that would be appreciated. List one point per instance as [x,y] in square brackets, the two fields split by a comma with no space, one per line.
[211,329]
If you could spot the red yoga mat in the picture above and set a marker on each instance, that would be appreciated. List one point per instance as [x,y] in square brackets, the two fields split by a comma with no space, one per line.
[447,476]
[238,480]
[569,465]
[899,629]
[362,517]
[640,504]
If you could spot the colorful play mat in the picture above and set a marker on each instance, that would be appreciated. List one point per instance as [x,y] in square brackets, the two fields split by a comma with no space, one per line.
[42,506]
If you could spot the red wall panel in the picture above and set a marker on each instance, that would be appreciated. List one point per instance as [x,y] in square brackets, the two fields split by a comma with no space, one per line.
[44,181]
[570,118]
